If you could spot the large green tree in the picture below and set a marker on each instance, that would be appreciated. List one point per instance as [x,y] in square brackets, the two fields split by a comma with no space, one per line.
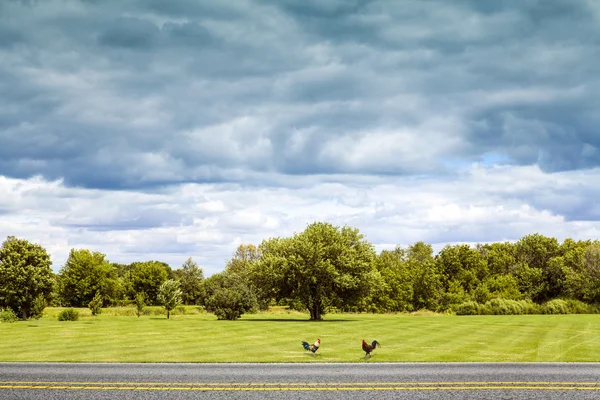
[25,274]
[324,266]
[535,251]
[190,278]
[146,277]
[86,273]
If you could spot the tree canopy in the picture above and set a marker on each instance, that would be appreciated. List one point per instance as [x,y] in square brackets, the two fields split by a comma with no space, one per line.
[86,273]
[25,274]
[322,267]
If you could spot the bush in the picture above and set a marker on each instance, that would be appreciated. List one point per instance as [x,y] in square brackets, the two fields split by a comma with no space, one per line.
[504,307]
[499,307]
[8,315]
[579,307]
[69,314]
[227,303]
[556,306]
[469,308]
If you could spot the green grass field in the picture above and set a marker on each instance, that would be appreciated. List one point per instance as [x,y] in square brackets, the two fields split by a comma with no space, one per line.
[276,336]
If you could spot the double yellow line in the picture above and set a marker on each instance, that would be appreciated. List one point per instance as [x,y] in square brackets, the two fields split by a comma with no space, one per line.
[304,386]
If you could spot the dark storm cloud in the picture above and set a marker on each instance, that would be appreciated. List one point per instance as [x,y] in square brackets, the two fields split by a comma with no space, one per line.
[131,33]
[113,94]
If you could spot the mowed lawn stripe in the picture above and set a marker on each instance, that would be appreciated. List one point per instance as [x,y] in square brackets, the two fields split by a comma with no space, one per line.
[272,337]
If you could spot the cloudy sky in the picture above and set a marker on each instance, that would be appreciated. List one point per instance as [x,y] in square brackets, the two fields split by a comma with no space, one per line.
[160,129]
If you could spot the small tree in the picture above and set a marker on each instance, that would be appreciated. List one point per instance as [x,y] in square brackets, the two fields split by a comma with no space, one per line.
[37,308]
[96,304]
[140,303]
[169,295]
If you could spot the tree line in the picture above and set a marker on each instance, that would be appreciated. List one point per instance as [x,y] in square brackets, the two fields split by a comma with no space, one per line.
[322,269]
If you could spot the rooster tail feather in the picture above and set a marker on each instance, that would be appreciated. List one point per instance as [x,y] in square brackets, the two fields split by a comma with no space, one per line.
[375,344]
[306,345]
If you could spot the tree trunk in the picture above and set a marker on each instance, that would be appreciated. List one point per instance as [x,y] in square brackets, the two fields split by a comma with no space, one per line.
[168,314]
[315,311]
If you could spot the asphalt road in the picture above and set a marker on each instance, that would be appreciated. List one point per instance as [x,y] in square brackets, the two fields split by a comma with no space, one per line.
[300,381]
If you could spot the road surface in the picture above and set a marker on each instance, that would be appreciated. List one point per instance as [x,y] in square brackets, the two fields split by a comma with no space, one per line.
[300,381]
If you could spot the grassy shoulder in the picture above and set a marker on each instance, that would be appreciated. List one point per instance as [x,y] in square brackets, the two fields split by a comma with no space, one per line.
[194,336]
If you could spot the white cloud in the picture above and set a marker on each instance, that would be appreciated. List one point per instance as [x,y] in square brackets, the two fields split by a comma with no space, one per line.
[208,221]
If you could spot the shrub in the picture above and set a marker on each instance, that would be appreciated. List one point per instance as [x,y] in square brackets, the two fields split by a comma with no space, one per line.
[504,307]
[69,314]
[529,307]
[499,307]
[578,307]
[8,315]
[469,308]
[556,306]
[228,303]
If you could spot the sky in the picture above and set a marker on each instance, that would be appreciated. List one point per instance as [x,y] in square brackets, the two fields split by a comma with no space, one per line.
[162,130]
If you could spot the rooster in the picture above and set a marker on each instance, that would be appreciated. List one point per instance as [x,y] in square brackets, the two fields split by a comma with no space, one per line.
[312,347]
[368,348]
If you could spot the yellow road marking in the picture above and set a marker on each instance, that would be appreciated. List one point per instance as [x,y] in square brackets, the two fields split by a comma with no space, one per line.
[400,383]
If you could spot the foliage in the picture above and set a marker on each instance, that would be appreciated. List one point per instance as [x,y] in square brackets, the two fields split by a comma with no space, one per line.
[140,303]
[470,308]
[391,288]
[426,277]
[25,274]
[38,306]
[190,278]
[499,306]
[69,314]
[95,305]
[8,315]
[324,266]
[323,269]
[556,306]
[146,277]
[504,307]
[84,275]
[453,297]
[169,295]
[243,264]
[228,296]
[536,251]
[462,264]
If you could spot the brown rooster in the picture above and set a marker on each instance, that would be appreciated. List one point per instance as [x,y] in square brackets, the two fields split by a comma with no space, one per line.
[368,348]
